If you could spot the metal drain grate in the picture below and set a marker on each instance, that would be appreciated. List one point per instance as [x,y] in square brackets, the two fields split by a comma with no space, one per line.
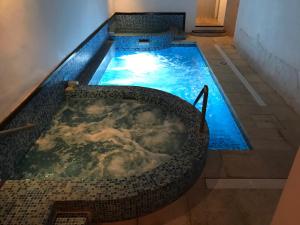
[71,221]
[70,218]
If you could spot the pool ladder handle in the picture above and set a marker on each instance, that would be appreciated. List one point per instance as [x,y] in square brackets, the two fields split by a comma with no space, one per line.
[14,130]
[204,93]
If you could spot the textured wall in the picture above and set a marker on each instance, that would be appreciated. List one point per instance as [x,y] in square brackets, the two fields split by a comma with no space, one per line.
[268,33]
[187,6]
[35,36]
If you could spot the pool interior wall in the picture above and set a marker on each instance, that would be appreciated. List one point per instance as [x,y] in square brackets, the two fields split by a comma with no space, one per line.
[182,71]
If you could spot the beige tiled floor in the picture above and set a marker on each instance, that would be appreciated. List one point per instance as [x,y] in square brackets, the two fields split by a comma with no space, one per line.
[202,206]
[274,133]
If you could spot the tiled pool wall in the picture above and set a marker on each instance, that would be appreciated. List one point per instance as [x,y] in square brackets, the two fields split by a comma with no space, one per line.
[147,22]
[40,109]
[95,80]
[143,42]
[146,31]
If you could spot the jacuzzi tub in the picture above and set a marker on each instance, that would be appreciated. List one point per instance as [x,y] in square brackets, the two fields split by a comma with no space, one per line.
[111,198]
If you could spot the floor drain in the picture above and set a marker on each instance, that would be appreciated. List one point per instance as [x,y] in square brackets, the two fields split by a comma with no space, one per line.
[71,221]
[70,218]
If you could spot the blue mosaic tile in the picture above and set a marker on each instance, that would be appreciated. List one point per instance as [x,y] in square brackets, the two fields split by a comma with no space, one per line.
[146,23]
[144,42]
[147,31]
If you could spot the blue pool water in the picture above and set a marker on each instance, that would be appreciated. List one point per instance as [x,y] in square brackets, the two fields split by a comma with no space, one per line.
[181,71]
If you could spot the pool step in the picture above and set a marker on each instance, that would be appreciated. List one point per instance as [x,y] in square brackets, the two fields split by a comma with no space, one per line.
[205,30]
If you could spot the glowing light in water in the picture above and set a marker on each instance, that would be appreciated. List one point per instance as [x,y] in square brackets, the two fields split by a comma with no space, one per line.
[141,63]
[181,71]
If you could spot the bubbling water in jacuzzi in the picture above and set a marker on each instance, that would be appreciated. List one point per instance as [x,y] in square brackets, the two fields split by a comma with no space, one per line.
[94,139]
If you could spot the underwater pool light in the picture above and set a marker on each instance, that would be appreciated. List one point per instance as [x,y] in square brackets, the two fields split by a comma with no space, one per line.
[141,63]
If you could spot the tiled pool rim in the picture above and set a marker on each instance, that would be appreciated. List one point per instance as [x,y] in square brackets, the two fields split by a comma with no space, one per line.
[119,199]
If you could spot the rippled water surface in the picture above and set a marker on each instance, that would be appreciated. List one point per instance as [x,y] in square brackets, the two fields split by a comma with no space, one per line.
[91,139]
[181,71]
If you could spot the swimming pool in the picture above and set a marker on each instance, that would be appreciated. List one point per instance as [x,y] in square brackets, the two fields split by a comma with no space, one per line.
[181,71]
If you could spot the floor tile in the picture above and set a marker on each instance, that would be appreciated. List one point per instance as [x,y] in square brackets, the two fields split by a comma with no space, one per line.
[222,207]
[214,165]
[176,213]
[224,217]
[265,133]
[278,163]
[271,145]
[244,165]
[125,222]
[265,121]
[261,184]
[292,137]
